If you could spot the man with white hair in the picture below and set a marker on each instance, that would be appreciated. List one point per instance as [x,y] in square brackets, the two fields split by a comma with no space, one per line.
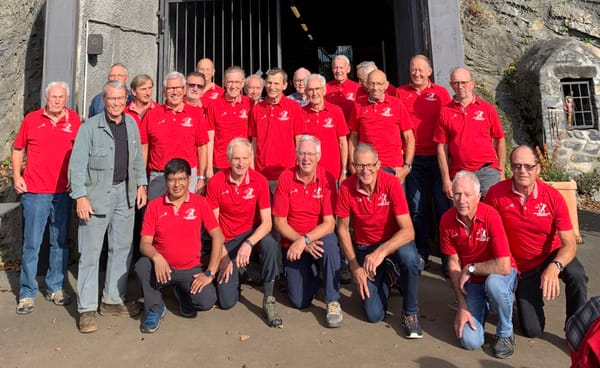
[118,72]
[341,90]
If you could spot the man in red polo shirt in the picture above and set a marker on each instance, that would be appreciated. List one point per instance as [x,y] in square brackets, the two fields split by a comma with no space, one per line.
[194,85]
[227,118]
[482,270]
[341,90]
[174,129]
[274,125]
[141,88]
[325,121]
[469,136]
[211,90]
[47,135]
[171,249]
[236,195]
[423,100]
[383,233]
[383,122]
[542,240]
[362,71]
[302,207]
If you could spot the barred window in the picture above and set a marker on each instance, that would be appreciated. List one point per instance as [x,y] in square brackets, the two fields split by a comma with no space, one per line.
[579,103]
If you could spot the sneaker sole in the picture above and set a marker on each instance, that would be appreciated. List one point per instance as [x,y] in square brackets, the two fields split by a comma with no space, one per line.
[88,329]
[24,311]
[155,328]
[334,324]
[414,336]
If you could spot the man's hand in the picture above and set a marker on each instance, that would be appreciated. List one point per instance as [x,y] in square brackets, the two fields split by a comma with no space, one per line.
[295,250]
[447,188]
[463,316]
[225,269]
[361,280]
[315,249]
[550,284]
[402,172]
[200,186]
[142,196]
[465,276]
[84,209]
[20,185]
[372,261]
[162,271]
[243,255]
[200,281]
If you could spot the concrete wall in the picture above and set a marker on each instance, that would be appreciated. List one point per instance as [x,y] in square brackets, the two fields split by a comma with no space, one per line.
[129,30]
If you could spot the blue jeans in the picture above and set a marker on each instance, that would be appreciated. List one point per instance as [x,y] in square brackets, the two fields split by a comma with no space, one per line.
[496,293]
[119,224]
[423,184]
[37,210]
[406,260]
[303,275]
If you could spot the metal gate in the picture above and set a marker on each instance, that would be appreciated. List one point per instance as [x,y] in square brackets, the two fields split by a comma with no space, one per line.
[230,32]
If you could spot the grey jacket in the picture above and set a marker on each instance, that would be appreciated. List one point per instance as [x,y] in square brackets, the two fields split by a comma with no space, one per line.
[92,162]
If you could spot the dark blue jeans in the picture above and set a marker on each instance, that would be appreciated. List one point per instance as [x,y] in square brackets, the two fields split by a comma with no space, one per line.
[406,260]
[423,184]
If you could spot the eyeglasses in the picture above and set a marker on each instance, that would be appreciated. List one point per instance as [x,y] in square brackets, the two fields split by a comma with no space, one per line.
[361,167]
[176,88]
[309,154]
[234,82]
[528,167]
[193,85]
[116,99]
[177,180]
[375,84]
[459,83]
[314,90]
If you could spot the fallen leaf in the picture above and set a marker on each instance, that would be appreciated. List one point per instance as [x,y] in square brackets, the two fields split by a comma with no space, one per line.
[244,337]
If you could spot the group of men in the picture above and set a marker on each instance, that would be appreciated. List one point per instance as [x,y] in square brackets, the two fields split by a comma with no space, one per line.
[339,170]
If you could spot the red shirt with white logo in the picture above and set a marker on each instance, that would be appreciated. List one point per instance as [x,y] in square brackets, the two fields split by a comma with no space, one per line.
[239,207]
[373,216]
[275,127]
[210,96]
[304,206]
[532,224]
[176,232]
[342,94]
[329,126]
[380,124]
[424,109]
[469,134]
[229,120]
[48,149]
[134,114]
[171,134]
[484,241]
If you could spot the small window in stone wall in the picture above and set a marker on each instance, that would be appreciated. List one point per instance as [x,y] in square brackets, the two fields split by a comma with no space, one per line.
[579,103]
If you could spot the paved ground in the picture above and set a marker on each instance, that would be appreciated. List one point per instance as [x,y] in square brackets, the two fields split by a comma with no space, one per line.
[239,337]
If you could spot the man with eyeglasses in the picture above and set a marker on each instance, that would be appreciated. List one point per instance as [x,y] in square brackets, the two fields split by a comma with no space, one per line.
[195,83]
[107,176]
[227,118]
[542,240]
[469,136]
[175,129]
[482,270]
[303,213]
[383,122]
[362,71]
[117,72]
[300,95]
[171,249]
[383,239]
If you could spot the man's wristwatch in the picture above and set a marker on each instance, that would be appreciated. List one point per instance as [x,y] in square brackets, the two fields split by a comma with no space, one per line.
[408,165]
[307,239]
[249,242]
[202,177]
[209,274]
[559,265]
[471,269]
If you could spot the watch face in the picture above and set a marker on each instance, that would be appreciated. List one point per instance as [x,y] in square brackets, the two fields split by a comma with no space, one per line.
[471,269]
[208,273]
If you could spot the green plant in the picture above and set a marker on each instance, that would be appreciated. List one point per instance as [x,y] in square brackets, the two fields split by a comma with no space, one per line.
[588,184]
[551,168]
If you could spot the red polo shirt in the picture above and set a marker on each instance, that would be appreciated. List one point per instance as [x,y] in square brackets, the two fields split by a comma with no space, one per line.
[469,134]
[210,96]
[328,125]
[229,120]
[48,150]
[171,134]
[485,240]
[176,232]
[381,124]
[342,94]
[275,127]
[532,224]
[374,215]
[239,207]
[424,109]
[137,117]
[303,206]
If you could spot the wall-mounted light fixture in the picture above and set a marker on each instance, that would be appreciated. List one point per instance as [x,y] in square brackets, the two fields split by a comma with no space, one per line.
[295,11]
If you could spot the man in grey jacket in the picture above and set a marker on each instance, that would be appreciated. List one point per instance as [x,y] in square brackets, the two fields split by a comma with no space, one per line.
[107,178]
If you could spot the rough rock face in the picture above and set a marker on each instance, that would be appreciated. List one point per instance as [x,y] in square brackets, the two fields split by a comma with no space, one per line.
[21,50]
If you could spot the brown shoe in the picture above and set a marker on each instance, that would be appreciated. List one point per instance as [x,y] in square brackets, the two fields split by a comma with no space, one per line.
[120,310]
[87,322]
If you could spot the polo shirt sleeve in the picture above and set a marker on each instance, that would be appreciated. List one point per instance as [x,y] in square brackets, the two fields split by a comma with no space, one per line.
[406,122]
[353,119]
[341,125]
[326,205]
[398,198]
[252,121]
[210,117]
[299,123]
[21,139]
[263,199]
[496,126]
[201,131]
[441,133]
[562,219]
[446,245]
[212,193]
[500,246]
[209,221]
[150,218]
[281,201]
[144,127]
[342,207]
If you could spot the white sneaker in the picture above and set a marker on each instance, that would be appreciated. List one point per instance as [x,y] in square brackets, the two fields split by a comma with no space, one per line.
[334,315]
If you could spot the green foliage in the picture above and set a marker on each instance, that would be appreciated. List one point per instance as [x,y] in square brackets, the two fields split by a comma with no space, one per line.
[551,168]
[588,183]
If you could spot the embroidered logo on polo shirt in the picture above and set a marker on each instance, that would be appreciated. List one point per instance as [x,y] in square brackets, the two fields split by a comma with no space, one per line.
[454,234]
[161,122]
[383,201]
[163,214]
[214,95]
[317,193]
[387,112]
[223,114]
[225,192]
[284,115]
[67,128]
[478,115]
[430,96]
[454,116]
[249,193]
[190,214]
[187,122]
[350,96]
[328,123]
[244,114]
[541,210]
[482,235]
[42,125]
[295,190]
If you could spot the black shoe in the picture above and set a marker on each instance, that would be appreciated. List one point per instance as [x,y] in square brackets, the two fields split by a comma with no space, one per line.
[345,274]
[186,309]
[504,347]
